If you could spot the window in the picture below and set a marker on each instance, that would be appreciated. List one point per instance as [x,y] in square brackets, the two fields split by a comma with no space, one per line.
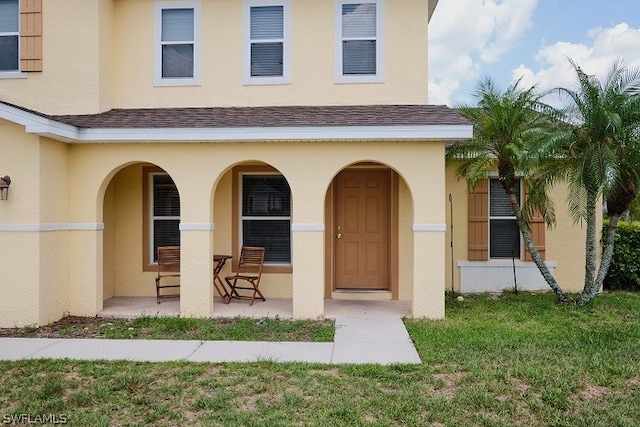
[359,50]
[177,29]
[165,213]
[266,30]
[9,35]
[504,234]
[266,215]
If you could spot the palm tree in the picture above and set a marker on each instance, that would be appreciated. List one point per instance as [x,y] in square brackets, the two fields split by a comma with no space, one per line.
[599,155]
[511,134]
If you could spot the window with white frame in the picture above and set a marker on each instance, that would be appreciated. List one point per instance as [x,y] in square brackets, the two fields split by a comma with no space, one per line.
[266,215]
[177,34]
[9,35]
[266,33]
[165,213]
[504,234]
[359,50]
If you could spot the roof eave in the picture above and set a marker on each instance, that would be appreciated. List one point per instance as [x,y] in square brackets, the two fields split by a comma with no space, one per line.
[320,133]
[47,127]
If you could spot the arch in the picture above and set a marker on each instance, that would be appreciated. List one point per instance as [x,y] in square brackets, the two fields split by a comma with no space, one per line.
[400,211]
[391,166]
[128,240]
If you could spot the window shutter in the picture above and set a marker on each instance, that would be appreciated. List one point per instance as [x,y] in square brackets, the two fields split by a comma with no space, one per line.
[538,228]
[478,239]
[30,35]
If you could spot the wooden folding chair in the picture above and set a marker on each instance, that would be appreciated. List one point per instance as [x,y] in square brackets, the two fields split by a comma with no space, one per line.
[168,267]
[248,274]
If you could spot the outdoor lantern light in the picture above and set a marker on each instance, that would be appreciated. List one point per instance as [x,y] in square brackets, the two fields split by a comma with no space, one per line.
[4,187]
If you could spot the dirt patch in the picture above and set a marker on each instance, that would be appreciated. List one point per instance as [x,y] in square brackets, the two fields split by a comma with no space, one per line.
[449,386]
[67,327]
[589,392]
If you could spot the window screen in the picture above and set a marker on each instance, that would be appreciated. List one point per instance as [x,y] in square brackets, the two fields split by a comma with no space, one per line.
[359,39]
[267,41]
[177,43]
[504,234]
[9,32]
[266,216]
[165,219]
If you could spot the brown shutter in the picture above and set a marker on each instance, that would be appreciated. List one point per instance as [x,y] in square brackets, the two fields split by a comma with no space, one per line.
[479,222]
[538,228]
[30,35]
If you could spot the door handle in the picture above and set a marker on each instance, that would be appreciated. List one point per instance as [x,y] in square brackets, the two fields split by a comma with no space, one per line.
[339,236]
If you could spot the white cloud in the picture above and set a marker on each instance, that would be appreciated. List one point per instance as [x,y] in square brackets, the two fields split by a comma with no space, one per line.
[608,44]
[465,35]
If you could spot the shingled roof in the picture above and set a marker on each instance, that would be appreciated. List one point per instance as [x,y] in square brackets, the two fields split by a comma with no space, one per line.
[289,116]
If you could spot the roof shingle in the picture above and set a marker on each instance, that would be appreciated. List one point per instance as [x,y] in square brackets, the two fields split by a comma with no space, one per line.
[288,116]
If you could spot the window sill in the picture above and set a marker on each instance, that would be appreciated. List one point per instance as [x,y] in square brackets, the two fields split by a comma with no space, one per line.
[12,75]
[177,82]
[341,79]
[265,81]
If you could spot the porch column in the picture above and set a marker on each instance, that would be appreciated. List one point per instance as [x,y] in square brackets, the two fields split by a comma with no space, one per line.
[85,269]
[196,270]
[428,270]
[308,270]
[429,231]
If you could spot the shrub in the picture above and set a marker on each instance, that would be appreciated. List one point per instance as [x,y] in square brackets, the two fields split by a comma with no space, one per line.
[624,272]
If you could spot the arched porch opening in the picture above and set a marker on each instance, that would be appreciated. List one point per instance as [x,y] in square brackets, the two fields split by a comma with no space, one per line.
[368,238]
[141,211]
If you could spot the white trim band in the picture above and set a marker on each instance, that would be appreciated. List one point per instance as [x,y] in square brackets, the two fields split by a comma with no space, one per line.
[195,226]
[429,227]
[307,226]
[73,226]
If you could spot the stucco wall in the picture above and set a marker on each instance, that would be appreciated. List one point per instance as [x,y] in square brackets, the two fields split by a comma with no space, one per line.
[111,46]
[34,261]
[75,63]
[312,53]
[79,188]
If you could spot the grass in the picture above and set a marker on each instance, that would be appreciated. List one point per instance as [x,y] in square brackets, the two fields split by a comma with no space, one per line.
[147,327]
[516,360]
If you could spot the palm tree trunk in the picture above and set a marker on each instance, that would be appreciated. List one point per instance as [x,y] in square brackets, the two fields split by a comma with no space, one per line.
[607,253]
[535,255]
[590,290]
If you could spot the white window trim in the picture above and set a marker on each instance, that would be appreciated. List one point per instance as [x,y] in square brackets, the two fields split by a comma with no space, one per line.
[153,217]
[247,79]
[510,218]
[378,77]
[241,218]
[196,80]
[13,74]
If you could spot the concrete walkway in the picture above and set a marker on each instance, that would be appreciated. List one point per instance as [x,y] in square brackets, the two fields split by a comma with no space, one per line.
[357,340]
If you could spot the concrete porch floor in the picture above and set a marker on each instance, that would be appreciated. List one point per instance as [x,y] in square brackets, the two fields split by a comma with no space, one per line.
[130,307]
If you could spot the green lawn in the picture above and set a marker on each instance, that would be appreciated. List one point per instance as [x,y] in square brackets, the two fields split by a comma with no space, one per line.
[517,360]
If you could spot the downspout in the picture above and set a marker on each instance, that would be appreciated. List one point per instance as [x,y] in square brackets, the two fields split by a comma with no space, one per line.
[451,240]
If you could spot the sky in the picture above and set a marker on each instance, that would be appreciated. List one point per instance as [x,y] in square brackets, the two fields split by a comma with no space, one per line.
[532,39]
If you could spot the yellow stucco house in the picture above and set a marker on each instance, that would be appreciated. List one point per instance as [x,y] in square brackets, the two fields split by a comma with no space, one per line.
[301,126]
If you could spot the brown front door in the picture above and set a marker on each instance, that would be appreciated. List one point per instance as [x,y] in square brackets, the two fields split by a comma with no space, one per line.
[362,229]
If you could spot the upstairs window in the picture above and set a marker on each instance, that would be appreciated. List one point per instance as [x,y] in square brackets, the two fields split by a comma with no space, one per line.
[177,44]
[504,234]
[266,56]
[9,35]
[358,35]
